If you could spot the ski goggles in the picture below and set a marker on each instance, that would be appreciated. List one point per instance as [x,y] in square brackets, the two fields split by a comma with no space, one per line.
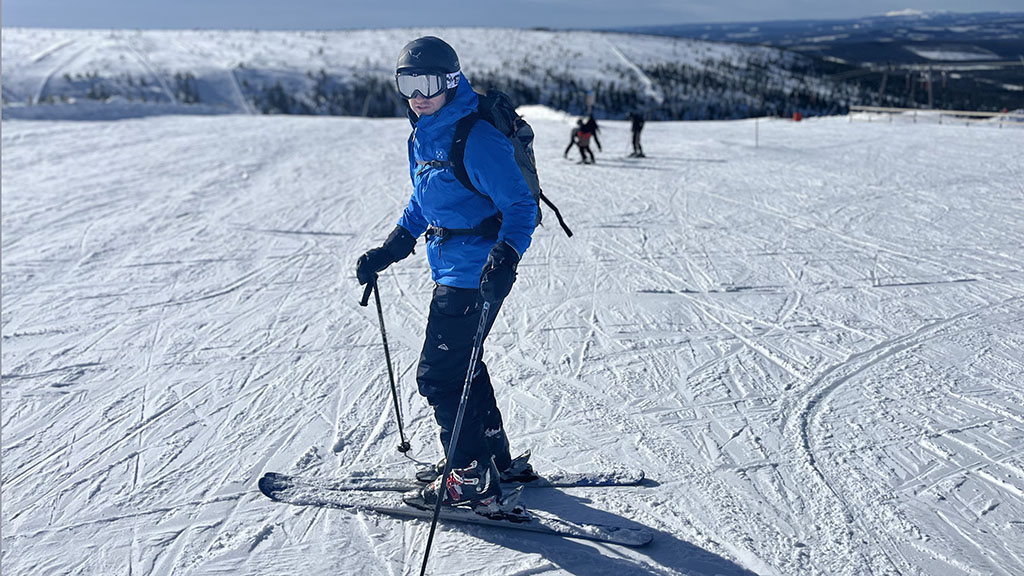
[426,85]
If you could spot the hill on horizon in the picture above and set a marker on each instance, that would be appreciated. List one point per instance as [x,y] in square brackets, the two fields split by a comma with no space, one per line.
[973,60]
[117,73]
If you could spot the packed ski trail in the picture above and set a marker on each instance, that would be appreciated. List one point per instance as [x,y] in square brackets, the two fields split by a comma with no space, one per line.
[813,348]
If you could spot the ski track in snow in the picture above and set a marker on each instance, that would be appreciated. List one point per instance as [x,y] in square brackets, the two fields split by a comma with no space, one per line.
[813,347]
[650,88]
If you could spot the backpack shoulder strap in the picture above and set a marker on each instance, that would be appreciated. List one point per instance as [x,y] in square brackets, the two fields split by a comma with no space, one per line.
[457,154]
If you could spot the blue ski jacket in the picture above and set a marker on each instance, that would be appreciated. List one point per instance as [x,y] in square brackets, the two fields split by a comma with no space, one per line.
[438,199]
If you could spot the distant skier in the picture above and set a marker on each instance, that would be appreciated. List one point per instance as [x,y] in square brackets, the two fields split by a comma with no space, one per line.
[582,134]
[483,239]
[587,131]
[636,125]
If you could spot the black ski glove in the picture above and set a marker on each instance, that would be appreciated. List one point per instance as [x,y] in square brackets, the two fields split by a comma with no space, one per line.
[398,245]
[499,272]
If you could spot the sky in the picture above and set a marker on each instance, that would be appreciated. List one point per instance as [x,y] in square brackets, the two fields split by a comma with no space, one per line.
[350,14]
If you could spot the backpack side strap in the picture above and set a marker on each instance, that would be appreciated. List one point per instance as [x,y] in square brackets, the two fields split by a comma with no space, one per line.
[457,154]
[558,214]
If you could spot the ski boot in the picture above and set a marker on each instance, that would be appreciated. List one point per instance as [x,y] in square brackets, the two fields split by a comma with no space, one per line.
[519,470]
[476,489]
[474,486]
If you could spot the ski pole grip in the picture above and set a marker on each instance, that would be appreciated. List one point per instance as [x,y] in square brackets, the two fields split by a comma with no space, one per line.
[366,293]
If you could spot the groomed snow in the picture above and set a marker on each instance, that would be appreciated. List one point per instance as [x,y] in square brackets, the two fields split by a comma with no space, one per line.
[814,347]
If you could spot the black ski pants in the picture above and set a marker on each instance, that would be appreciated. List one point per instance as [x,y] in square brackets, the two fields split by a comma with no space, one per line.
[451,326]
[585,151]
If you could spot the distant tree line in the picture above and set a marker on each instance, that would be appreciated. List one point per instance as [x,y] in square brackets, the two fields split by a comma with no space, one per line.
[714,89]
[710,90]
[364,95]
[93,86]
[766,83]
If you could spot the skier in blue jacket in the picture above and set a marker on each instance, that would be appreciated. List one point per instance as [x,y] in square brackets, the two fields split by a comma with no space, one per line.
[474,244]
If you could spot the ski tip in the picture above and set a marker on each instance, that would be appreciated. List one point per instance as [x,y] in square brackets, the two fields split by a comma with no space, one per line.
[635,477]
[270,483]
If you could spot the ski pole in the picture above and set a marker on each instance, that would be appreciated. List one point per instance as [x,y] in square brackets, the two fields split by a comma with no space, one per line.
[441,491]
[372,287]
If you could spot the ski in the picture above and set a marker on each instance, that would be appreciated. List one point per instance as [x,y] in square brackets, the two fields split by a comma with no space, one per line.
[367,482]
[282,488]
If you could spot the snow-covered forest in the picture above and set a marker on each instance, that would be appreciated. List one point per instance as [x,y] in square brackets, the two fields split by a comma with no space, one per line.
[349,73]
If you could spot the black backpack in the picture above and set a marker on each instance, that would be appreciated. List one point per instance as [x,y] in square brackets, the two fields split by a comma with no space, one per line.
[496,108]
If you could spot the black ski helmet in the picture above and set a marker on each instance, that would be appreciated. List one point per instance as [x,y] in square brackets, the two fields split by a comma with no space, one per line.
[430,55]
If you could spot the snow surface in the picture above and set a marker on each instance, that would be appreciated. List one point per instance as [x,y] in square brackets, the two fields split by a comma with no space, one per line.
[813,347]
